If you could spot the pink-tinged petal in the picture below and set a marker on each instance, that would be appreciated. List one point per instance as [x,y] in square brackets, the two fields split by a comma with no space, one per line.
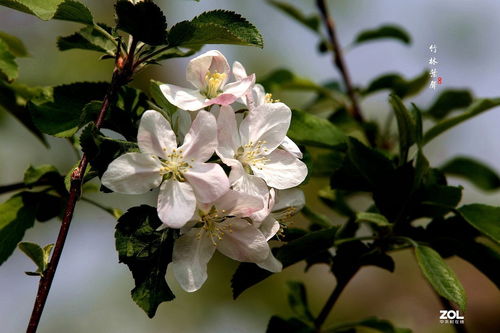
[239,71]
[292,197]
[282,170]
[155,136]
[133,173]
[186,99]
[211,61]
[242,241]
[200,141]
[254,186]
[191,254]
[269,227]
[227,133]
[239,204]
[267,123]
[271,264]
[239,88]
[208,180]
[223,99]
[259,95]
[176,203]
[291,147]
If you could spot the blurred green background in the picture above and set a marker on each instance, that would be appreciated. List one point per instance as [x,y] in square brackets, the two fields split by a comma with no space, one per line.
[91,290]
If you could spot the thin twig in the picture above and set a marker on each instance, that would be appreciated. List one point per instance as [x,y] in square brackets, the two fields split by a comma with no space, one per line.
[21,185]
[327,308]
[338,59]
[122,74]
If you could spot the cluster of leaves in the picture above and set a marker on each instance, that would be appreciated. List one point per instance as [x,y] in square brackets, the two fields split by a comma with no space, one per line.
[361,158]
[68,111]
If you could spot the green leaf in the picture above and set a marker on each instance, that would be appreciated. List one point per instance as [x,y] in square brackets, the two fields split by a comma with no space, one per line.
[35,253]
[66,10]
[374,323]
[8,65]
[294,251]
[308,129]
[13,99]
[60,116]
[88,38]
[297,299]
[383,32]
[160,99]
[312,21]
[147,252]
[15,218]
[484,218]
[475,109]
[102,150]
[292,325]
[436,200]
[398,85]
[15,45]
[440,276]
[406,127]
[324,164]
[474,171]
[45,172]
[215,27]
[143,20]
[375,218]
[448,101]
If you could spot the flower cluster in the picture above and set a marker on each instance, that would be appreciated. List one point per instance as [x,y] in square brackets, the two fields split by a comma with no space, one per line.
[236,212]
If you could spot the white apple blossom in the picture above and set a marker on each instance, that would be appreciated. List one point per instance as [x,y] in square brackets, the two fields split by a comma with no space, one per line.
[209,74]
[221,225]
[181,172]
[257,97]
[287,203]
[252,150]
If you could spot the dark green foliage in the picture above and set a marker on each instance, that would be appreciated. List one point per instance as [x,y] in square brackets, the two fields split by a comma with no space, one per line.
[311,130]
[215,27]
[448,101]
[384,32]
[398,85]
[88,38]
[147,252]
[474,171]
[297,299]
[372,323]
[143,20]
[67,10]
[312,21]
[292,325]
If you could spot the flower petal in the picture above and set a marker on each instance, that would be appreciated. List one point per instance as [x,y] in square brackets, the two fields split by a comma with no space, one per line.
[211,61]
[200,141]
[133,173]
[176,203]
[191,254]
[292,197]
[243,242]
[269,227]
[186,99]
[291,147]
[239,204]
[209,181]
[269,123]
[227,133]
[259,95]
[239,71]
[282,170]
[155,136]
[271,264]
[239,88]
[253,185]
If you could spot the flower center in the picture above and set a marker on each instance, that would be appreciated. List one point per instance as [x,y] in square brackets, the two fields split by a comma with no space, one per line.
[174,166]
[212,225]
[252,155]
[284,217]
[268,98]
[214,82]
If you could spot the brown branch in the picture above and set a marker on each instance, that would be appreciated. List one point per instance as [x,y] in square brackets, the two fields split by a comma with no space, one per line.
[122,74]
[338,59]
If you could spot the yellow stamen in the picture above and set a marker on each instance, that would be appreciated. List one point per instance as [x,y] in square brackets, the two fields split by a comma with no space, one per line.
[269,99]
[214,82]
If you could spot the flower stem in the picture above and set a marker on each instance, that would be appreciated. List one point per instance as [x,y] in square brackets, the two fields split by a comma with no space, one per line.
[327,308]
[122,74]
[338,59]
